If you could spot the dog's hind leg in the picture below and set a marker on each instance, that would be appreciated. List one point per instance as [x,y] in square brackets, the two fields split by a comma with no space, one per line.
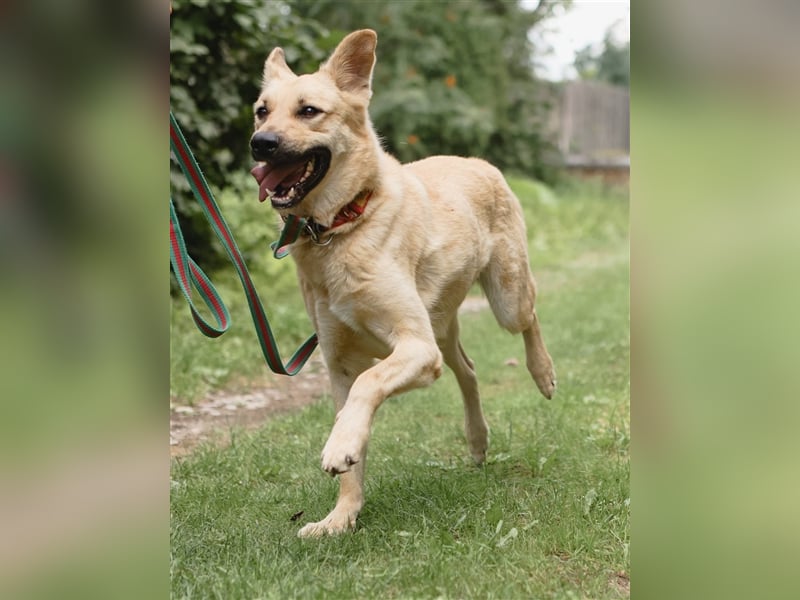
[475,428]
[511,290]
[538,360]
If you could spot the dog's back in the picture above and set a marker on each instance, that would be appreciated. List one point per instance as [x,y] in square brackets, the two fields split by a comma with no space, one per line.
[469,186]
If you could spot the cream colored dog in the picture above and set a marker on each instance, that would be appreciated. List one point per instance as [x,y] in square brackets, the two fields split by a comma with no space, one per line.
[388,254]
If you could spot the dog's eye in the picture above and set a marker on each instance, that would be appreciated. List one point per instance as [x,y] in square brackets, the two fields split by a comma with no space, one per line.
[261,112]
[309,111]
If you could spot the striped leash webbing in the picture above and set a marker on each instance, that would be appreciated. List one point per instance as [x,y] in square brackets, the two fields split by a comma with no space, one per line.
[188,273]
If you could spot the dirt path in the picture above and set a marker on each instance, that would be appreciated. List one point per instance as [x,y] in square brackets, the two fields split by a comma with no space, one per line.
[250,404]
[212,419]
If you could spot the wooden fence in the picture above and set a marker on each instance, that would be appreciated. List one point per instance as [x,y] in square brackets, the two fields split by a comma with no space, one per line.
[590,125]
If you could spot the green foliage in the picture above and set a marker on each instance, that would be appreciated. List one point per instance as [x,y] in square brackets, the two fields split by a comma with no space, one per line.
[574,221]
[612,63]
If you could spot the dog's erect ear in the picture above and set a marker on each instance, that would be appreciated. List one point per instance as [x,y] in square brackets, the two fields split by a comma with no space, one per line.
[275,67]
[351,64]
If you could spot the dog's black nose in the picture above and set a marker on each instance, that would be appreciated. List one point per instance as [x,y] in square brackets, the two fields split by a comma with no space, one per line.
[264,144]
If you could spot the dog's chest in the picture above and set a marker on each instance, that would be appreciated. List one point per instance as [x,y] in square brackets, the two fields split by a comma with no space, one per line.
[333,284]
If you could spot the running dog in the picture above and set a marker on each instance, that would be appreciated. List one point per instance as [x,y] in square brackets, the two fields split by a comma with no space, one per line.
[388,254]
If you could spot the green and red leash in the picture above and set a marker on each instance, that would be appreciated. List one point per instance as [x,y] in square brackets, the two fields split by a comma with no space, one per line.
[189,274]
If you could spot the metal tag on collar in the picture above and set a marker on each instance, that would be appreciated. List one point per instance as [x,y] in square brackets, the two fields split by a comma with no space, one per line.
[313,231]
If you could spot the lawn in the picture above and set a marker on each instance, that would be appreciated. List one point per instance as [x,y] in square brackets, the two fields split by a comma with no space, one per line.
[546,517]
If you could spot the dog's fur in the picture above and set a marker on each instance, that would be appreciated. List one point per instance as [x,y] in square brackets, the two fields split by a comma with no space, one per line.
[383,295]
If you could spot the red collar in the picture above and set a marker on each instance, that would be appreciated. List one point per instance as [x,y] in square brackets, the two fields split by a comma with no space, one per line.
[350,212]
[353,210]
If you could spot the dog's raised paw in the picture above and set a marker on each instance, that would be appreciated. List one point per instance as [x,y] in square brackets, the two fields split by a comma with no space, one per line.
[548,388]
[337,465]
[545,380]
[338,457]
[346,444]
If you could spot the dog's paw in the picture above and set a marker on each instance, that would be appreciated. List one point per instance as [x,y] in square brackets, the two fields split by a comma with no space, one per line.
[477,433]
[547,385]
[337,522]
[340,456]
[545,378]
[346,444]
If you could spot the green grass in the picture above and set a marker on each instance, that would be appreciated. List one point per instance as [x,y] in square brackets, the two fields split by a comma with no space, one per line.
[546,517]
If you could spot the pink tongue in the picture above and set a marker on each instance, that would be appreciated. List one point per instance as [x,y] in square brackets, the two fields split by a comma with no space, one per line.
[269,177]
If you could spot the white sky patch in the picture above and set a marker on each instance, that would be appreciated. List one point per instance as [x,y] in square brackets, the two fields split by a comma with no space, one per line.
[569,30]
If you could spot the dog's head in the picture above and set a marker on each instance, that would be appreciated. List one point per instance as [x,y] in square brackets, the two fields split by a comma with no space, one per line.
[315,128]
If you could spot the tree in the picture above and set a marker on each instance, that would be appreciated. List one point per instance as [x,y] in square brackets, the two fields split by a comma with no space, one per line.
[612,63]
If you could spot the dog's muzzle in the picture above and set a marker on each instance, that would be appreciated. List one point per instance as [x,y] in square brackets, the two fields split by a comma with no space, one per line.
[264,145]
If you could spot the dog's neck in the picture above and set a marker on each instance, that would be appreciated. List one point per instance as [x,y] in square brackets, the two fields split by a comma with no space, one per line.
[351,211]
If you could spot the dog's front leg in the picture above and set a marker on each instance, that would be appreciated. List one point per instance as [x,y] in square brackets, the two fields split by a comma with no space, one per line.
[415,361]
[343,516]
[343,371]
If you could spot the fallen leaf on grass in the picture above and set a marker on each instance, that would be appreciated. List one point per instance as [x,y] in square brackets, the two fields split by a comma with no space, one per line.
[499,527]
[588,500]
[507,537]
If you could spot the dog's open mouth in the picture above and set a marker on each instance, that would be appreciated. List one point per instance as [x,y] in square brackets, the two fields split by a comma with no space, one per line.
[288,182]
